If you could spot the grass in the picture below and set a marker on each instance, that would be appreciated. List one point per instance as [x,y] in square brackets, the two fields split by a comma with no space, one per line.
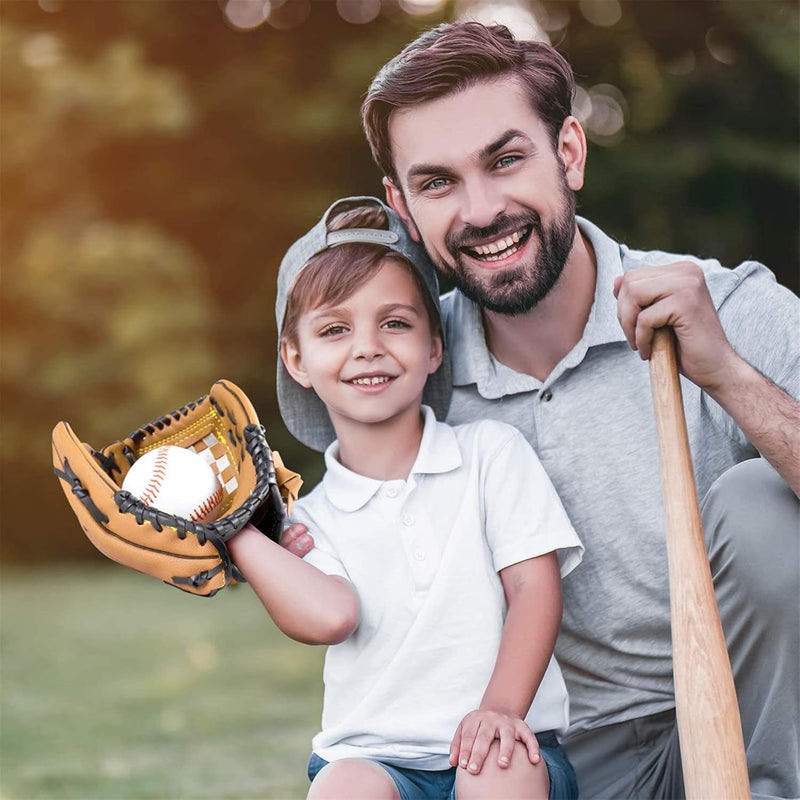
[117,687]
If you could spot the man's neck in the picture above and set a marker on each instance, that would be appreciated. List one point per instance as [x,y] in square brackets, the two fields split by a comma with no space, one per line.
[534,342]
[383,451]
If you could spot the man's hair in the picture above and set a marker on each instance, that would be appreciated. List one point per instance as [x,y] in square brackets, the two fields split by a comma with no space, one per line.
[455,56]
[334,274]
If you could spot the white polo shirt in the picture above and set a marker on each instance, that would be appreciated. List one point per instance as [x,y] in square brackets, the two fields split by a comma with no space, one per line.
[424,555]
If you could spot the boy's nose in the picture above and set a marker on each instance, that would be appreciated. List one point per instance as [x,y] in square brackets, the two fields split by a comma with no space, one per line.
[367,346]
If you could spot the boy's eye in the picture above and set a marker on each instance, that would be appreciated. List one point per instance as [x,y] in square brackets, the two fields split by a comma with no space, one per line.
[333,330]
[396,323]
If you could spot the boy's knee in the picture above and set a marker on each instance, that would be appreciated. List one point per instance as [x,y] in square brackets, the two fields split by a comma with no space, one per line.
[751,520]
[520,779]
[355,778]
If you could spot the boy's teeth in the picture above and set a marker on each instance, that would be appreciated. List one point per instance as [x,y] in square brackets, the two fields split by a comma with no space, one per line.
[371,381]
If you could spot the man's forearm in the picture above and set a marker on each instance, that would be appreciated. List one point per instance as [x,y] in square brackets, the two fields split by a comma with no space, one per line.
[768,417]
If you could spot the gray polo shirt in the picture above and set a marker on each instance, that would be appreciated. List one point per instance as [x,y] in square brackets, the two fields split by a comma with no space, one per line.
[591,422]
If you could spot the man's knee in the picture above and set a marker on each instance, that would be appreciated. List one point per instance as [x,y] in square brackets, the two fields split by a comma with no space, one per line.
[751,520]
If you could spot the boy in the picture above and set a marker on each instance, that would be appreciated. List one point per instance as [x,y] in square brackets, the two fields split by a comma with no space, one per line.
[435,573]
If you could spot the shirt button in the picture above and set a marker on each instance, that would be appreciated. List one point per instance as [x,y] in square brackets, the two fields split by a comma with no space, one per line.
[547,396]
[391,491]
[408,520]
[419,555]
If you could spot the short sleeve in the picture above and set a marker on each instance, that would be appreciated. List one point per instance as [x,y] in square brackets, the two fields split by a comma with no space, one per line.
[761,319]
[524,517]
[323,555]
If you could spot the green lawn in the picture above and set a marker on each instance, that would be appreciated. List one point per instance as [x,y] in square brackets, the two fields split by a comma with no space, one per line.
[115,686]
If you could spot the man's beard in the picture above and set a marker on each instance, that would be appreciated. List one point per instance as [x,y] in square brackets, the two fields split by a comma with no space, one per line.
[517,290]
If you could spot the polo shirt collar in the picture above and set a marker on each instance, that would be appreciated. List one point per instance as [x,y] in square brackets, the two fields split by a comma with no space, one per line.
[438,452]
[472,362]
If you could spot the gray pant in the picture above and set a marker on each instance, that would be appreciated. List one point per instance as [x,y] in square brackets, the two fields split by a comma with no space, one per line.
[751,521]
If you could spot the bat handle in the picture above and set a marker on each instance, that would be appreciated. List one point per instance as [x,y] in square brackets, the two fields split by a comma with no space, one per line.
[709,726]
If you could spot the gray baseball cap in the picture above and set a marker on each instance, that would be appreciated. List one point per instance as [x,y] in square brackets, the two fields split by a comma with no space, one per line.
[303,412]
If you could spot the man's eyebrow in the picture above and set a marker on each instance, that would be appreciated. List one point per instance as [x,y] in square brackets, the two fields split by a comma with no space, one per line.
[423,170]
[502,141]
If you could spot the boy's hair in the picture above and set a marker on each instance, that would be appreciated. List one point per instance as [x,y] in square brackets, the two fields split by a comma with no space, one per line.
[334,274]
[452,57]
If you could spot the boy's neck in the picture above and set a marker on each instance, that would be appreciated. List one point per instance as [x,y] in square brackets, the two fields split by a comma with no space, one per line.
[383,451]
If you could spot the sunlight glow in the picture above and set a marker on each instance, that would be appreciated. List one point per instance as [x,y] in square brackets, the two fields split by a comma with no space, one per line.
[358,12]
[247,14]
[515,15]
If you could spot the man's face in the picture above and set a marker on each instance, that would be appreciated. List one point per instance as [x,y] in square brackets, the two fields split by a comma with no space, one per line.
[482,186]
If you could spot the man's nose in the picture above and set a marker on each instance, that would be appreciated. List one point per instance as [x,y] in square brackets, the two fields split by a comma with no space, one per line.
[483,203]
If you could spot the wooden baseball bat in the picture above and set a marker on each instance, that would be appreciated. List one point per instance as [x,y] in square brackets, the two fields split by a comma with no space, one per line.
[709,727]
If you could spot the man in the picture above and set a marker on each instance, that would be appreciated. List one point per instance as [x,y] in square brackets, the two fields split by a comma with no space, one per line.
[482,158]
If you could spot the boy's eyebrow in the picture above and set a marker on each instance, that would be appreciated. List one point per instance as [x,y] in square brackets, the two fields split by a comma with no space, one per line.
[423,170]
[389,307]
[336,311]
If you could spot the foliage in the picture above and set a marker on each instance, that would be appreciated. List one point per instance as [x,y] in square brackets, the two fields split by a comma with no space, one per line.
[156,163]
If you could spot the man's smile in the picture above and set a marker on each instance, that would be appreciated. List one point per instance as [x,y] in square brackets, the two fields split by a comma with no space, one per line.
[499,248]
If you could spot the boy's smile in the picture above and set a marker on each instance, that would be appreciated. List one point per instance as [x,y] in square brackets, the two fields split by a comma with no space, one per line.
[369,357]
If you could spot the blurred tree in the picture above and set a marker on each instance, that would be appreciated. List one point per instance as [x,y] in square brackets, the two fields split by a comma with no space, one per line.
[156,162]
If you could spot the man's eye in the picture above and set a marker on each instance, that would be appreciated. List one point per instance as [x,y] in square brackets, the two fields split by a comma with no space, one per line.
[437,184]
[506,161]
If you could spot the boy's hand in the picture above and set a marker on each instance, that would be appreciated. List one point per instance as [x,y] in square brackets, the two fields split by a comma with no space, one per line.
[479,729]
[297,540]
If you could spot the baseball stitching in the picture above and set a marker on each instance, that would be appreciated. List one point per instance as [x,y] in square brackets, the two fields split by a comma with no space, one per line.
[207,507]
[148,496]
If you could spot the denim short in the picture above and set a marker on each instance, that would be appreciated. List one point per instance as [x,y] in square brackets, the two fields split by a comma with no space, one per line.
[422,784]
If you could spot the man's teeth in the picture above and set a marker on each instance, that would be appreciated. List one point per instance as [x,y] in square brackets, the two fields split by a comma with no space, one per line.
[371,381]
[499,246]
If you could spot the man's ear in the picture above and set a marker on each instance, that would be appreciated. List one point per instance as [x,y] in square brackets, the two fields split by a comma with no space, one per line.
[293,361]
[437,350]
[397,202]
[572,151]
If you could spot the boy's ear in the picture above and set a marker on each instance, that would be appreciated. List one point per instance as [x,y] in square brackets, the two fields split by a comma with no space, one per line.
[437,351]
[293,361]
[397,202]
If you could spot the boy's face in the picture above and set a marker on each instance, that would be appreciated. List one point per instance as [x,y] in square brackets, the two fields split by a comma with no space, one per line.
[368,357]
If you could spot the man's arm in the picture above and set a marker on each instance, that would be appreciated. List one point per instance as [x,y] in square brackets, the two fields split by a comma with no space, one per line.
[305,603]
[676,295]
[533,594]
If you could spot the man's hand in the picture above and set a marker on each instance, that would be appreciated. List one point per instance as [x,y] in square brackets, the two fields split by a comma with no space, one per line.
[479,729]
[297,540]
[676,295]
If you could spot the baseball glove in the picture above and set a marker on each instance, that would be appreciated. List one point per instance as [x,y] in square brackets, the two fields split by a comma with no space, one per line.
[190,555]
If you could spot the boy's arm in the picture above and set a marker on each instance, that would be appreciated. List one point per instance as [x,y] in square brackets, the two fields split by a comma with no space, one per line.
[305,603]
[533,594]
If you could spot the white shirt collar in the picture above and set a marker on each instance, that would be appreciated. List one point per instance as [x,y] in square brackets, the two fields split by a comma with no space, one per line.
[438,452]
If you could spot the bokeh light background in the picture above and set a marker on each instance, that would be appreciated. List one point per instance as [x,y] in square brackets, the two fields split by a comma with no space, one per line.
[157,157]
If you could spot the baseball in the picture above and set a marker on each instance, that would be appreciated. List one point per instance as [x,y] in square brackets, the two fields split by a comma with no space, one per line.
[176,480]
